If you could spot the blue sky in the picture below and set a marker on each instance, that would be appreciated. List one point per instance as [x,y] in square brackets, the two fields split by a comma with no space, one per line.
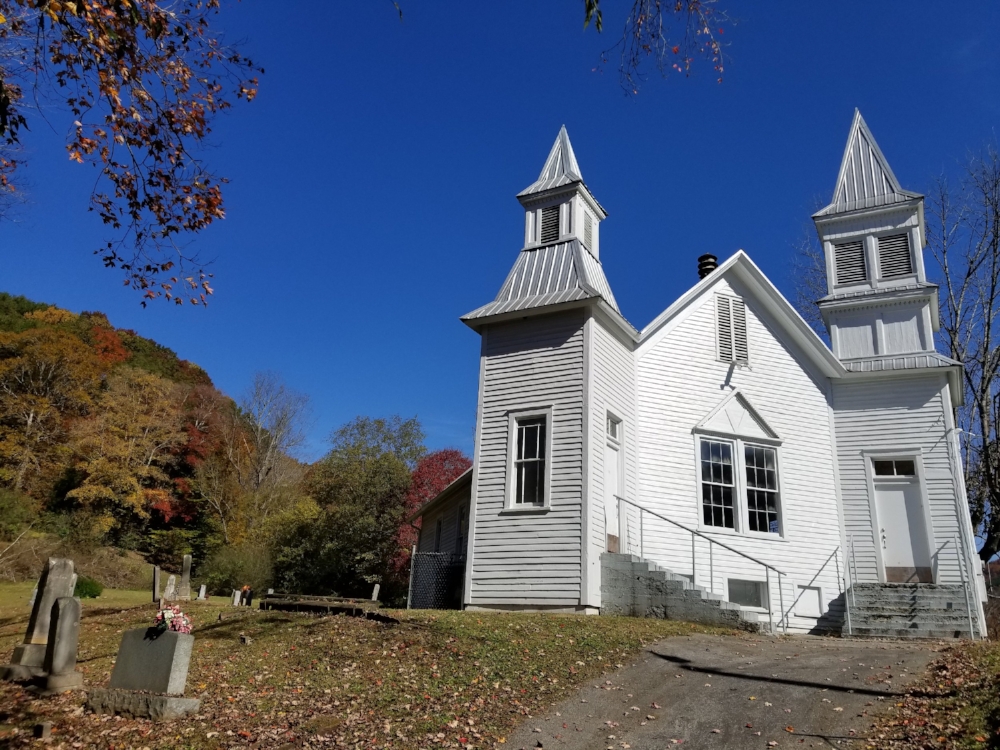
[372,186]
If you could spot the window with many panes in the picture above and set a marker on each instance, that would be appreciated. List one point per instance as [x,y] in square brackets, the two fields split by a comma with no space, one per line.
[739,497]
[762,488]
[717,483]
[529,461]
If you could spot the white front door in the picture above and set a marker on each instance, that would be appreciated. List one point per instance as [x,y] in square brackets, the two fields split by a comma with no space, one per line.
[902,532]
[612,488]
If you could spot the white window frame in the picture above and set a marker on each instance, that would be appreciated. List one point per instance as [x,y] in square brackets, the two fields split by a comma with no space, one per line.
[741,507]
[513,417]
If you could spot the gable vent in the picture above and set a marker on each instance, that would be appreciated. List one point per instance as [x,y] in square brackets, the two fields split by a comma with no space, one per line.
[894,256]
[550,225]
[849,258]
[732,329]
[588,231]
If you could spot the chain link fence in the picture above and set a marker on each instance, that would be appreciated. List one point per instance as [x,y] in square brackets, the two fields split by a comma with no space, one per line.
[436,580]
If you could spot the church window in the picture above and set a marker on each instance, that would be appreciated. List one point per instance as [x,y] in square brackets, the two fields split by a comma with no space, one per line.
[894,468]
[731,323]
[894,256]
[762,488]
[529,461]
[717,484]
[550,225]
[849,260]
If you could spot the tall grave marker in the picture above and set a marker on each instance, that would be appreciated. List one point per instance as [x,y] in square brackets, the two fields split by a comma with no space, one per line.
[57,581]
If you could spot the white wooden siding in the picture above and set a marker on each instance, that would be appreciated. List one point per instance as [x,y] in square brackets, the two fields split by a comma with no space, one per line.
[896,415]
[530,559]
[613,389]
[448,514]
[679,382]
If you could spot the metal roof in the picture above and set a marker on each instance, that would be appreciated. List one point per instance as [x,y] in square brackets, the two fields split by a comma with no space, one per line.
[550,275]
[560,168]
[920,286]
[461,482]
[921,361]
[865,179]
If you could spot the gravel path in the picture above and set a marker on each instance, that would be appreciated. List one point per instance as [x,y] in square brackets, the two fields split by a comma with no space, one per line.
[705,691]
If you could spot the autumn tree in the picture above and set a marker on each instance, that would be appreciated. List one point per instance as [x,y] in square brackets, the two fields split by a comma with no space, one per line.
[47,377]
[125,452]
[138,83]
[670,34]
[361,489]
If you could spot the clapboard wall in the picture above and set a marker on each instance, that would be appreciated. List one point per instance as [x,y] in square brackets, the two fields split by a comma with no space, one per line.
[529,559]
[611,389]
[679,382]
[902,414]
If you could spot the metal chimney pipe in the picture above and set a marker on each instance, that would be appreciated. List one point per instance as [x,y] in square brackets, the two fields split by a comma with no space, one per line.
[706,264]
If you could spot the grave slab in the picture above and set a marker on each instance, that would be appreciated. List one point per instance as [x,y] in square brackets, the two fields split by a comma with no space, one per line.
[184,590]
[153,660]
[140,705]
[61,650]
[170,592]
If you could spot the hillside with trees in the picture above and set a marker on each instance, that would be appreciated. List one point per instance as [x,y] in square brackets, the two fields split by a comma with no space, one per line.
[112,446]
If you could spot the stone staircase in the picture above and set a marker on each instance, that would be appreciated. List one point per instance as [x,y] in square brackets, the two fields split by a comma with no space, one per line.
[635,587]
[909,610]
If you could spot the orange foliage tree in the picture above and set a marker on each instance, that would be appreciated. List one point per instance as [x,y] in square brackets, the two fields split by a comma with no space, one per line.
[140,81]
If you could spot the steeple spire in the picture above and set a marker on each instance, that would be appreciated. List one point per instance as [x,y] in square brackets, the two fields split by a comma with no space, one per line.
[865,179]
[560,168]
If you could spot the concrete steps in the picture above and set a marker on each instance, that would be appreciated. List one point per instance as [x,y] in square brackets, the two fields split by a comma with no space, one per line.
[909,610]
[635,587]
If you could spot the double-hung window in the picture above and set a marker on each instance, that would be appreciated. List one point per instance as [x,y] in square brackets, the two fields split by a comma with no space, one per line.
[529,461]
[739,486]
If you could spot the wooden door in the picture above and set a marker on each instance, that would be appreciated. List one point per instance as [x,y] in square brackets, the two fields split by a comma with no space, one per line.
[612,488]
[902,531]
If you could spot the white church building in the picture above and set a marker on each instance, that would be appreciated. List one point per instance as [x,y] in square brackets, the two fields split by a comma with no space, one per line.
[724,443]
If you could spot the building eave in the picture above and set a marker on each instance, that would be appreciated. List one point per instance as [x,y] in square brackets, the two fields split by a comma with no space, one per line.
[457,485]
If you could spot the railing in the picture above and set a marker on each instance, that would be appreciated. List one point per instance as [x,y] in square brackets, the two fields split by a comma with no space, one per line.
[768,568]
[962,563]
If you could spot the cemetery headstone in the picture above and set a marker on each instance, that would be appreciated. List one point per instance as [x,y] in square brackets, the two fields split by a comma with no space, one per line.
[156,583]
[60,651]
[56,581]
[375,592]
[149,677]
[184,590]
[170,592]
[201,593]
[34,595]
[248,597]
[237,595]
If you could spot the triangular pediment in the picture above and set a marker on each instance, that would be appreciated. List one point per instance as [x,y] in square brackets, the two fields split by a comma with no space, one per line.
[736,416]
[865,179]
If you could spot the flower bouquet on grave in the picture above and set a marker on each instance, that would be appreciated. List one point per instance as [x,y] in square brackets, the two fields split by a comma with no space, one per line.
[171,618]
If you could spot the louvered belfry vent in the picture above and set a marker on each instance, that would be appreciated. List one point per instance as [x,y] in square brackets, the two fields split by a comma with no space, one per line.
[732,329]
[588,231]
[849,258]
[894,256]
[550,225]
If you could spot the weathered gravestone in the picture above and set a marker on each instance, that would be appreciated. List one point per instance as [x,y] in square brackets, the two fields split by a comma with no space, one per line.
[34,595]
[202,593]
[60,651]
[149,677]
[170,592]
[156,583]
[375,592]
[237,597]
[184,590]
[57,580]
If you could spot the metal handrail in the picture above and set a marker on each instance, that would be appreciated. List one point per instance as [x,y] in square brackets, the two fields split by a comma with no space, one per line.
[767,567]
[965,587]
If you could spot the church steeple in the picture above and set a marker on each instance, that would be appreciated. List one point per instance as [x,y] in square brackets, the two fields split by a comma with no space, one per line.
[559,263]
[558,205]
[879,301]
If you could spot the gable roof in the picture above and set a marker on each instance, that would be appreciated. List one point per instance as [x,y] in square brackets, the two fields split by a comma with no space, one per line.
[734,415]
[865,179]
[550,275]
[462,482]
[767,295]
[560,168]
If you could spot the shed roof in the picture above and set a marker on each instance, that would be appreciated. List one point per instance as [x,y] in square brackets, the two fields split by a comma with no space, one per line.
[462,482]
[865,179]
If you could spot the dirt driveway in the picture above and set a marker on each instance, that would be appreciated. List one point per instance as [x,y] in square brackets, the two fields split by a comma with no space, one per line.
[705,691]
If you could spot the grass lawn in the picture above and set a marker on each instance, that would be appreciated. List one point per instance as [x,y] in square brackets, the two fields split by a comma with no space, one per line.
[434,679]
[956,705]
